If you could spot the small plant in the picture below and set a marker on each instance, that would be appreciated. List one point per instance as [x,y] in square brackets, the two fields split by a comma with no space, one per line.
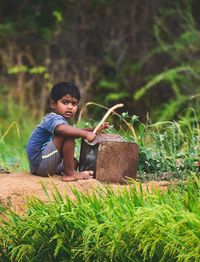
[167,150]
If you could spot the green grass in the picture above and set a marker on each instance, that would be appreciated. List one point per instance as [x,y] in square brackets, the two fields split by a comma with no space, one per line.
[107,226]
[16,125]
[169,150]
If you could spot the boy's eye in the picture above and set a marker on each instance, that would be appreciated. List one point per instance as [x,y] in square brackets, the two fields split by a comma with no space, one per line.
[74,103]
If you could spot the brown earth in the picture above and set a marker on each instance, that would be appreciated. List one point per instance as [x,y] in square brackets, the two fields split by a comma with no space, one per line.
[16,187]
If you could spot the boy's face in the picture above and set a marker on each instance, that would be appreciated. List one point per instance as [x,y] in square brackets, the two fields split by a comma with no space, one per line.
[66,106]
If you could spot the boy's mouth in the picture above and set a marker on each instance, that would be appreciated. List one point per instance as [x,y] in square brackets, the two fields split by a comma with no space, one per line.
[68,114]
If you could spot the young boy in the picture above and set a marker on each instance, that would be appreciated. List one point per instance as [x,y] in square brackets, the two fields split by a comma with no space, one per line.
[50,148]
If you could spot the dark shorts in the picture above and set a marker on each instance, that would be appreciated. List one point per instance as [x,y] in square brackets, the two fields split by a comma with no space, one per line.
[51,161]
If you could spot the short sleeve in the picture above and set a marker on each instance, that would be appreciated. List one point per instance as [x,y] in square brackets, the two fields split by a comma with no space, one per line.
[52,120]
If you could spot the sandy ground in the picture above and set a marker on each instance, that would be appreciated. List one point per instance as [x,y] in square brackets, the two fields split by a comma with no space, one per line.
[15,188]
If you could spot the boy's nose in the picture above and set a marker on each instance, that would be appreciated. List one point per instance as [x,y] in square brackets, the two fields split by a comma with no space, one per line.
[69,105]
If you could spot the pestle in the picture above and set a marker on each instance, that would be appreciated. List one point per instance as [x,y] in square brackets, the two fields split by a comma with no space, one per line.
[106,116]
[96,140]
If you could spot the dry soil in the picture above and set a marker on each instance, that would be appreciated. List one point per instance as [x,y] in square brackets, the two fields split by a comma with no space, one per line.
[16,187]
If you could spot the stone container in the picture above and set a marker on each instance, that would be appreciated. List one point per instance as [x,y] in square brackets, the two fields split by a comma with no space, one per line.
[110,157]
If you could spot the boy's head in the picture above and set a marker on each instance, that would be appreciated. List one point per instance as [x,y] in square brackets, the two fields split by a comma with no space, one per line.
[65,99]
[64,88]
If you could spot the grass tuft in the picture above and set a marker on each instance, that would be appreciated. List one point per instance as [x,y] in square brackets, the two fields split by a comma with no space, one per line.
[130,225]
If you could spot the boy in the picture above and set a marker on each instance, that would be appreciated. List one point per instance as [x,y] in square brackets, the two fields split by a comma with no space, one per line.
[50,148]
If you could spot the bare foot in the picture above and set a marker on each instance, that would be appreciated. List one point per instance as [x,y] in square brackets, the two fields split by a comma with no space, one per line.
[78,176]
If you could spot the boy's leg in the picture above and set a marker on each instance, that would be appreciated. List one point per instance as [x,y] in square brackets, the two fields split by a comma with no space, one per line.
[51,162]
[60,168]
[66,149]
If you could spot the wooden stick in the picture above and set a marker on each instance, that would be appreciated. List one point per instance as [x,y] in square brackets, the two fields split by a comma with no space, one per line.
[106,116]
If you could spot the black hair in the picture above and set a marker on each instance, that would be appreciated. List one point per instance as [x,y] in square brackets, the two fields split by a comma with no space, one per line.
[64,88]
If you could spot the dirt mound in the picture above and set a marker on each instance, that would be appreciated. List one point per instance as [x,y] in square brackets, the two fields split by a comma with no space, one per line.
[15,188]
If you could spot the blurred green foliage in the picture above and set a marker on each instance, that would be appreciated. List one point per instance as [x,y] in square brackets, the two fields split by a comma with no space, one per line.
[16,125]
[140,53]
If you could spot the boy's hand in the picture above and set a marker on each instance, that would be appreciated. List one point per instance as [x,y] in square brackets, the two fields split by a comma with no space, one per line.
[90,136]
[104,126]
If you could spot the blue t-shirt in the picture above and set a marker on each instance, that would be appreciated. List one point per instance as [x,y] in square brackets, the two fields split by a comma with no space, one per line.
[40,136]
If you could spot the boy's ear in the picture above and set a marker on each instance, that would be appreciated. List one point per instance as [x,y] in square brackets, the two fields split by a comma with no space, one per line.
[52,104]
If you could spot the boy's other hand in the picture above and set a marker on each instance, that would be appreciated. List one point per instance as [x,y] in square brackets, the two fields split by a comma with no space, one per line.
[104,126]
[90,136]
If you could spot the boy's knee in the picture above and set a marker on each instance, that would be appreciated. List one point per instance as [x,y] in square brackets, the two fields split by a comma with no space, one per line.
[59,139]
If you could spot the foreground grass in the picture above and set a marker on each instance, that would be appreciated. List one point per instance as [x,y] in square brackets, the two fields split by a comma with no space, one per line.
[105,226]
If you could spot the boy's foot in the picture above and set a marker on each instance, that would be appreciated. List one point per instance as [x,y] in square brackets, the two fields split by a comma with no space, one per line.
[78,176]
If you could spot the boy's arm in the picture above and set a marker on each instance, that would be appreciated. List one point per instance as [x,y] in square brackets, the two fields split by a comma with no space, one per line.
[70,131]
[90,129]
